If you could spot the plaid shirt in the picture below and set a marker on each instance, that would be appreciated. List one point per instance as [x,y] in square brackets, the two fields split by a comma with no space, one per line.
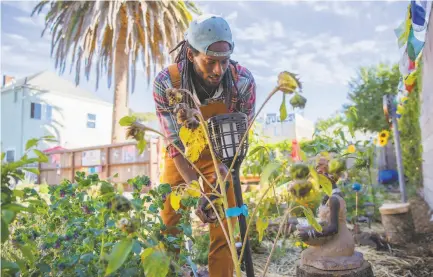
[244,102]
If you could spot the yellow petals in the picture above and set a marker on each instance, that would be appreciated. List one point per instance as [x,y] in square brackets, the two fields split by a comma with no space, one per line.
[351,149]
[175,200]
[193,189]
[194,141]
[383,142]
[384,134]
[261,225]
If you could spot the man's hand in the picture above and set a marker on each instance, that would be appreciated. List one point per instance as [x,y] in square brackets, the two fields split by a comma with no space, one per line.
[206,213]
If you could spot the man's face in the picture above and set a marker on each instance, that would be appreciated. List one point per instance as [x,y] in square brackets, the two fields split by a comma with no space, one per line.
[211,69]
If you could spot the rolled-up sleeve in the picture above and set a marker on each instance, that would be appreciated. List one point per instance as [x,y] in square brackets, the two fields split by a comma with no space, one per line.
[166,117]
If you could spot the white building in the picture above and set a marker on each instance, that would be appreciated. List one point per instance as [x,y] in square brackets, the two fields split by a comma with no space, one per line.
[46,104]
[295,126]
[426,119]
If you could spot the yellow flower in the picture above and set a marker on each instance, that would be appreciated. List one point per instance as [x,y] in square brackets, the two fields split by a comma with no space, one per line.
[351,149]
[298,244]
[383,142]
[384,135]
[375,141]
[304,245]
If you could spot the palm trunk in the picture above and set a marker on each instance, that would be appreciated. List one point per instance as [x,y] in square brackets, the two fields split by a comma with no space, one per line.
[120,108]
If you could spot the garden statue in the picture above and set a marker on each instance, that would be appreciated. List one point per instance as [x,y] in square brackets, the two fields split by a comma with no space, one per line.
[333,248]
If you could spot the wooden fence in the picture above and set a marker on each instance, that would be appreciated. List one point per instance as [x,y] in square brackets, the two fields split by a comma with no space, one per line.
[106,160]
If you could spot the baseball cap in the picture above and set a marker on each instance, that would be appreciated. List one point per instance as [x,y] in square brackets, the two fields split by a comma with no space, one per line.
[207,29]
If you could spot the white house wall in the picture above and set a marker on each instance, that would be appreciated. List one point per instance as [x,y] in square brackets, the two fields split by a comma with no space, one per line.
[11,122]
[68,120]
[426,119]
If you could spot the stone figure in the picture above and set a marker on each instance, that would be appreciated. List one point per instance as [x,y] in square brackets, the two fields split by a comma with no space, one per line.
[334,247]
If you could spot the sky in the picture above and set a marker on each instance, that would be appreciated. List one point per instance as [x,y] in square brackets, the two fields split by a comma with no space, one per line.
[325,42]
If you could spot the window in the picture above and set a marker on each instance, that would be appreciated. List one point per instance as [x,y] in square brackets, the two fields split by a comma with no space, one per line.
[48,112]
[91,120]
[10,156]
[35,110]
[41,111]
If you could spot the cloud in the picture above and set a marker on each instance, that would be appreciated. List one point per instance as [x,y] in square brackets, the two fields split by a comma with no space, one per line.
[336,7]
[35,21]
[381,28]
[260,31]
[25,6]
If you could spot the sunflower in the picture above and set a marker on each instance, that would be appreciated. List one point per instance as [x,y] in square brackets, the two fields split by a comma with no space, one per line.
[384,135]
[383,142]
[351,149]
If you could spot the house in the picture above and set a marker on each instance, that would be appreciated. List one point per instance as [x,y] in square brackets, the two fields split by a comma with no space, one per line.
[426,118]
[295,126]
[46,104]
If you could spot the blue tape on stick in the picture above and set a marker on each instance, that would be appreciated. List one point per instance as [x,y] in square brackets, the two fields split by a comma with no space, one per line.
[237,211]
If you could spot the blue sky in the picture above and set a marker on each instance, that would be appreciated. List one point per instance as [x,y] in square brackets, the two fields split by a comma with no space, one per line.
[322,41]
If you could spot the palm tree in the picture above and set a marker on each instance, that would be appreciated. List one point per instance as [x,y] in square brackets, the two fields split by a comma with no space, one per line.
[115,33]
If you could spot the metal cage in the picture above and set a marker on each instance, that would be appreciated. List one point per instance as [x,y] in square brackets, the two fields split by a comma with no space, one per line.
[226,132]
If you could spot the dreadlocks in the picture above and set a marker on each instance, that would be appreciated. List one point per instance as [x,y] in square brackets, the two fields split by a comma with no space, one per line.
[186,80]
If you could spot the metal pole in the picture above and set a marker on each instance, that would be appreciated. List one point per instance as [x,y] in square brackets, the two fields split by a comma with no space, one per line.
[249,267]
[398,156]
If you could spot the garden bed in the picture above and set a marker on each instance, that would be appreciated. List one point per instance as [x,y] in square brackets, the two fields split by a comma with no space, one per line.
[414,259]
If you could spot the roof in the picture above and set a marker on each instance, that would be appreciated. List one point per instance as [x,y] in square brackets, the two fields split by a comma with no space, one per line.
[51,82]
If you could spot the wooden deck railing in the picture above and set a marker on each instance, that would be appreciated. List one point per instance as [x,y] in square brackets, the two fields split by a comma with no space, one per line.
[106,160]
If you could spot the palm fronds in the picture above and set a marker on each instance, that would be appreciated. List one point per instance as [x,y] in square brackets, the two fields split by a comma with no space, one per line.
[90,31]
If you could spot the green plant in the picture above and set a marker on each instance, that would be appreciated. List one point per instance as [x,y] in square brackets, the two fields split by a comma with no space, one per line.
[410,135]
[200,248]
[15,202]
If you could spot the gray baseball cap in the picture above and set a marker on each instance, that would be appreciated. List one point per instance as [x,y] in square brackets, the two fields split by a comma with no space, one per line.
[208,29]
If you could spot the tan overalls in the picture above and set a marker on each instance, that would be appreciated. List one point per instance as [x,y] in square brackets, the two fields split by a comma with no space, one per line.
[220,261]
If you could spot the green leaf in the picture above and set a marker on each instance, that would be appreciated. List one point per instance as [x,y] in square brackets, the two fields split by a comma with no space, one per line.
[8,216]
[141,146]
[43,189]
[283,109]
[42,157]
[326,184]
[261,225]
[5,231]
[27,252]
[3,155]
[314,174]
[136,248]
[155,262]
[86,258]
[303,155]
[32,170]
[18,193]
[31,143]
[311,219]
[342,136]
[43,267]
[127,120]
[14,207]
[257,149]
[118,255]
[267,172]
[7,265]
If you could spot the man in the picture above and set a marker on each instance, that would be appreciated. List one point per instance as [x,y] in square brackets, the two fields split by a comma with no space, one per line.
[203,66]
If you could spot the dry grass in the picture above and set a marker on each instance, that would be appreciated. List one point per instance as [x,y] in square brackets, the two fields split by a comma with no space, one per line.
[392,263]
